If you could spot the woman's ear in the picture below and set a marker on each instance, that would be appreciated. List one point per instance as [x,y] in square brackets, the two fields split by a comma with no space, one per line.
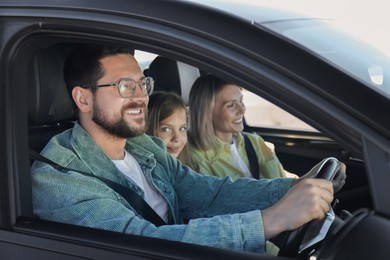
[83,99]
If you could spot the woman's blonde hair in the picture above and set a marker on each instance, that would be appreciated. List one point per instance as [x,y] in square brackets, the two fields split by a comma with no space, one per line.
[202,98]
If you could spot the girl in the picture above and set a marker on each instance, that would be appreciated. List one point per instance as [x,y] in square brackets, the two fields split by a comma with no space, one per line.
[168,120]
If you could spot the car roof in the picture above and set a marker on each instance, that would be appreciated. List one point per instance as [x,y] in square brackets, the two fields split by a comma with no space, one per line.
[253,11]
[246,11]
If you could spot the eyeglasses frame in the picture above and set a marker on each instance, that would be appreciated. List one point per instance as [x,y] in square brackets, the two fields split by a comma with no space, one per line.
[139,82]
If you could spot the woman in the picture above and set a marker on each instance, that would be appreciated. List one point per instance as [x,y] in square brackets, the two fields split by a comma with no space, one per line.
[216,140]
[168,120]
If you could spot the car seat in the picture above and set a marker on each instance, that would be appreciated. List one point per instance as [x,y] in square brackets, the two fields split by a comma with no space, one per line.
[50,107]
[172,75]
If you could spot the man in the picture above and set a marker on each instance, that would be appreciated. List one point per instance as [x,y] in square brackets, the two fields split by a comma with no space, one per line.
[111,95]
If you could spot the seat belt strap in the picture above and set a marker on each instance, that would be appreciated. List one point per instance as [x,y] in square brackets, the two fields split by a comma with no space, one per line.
[252,158]
[136,201]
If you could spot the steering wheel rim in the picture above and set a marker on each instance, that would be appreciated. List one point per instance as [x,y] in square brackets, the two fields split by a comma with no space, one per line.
[293,239]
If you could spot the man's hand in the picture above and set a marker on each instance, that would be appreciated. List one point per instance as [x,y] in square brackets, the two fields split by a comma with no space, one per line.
[338,180]
[308,199]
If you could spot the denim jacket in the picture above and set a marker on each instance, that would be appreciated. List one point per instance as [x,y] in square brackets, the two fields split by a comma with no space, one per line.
[81,200]
[218,161]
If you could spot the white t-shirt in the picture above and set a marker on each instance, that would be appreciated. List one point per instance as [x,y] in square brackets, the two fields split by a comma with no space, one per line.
[131,169]
[237,160]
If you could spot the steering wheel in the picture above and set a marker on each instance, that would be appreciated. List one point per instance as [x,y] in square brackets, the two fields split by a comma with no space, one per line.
[293,239]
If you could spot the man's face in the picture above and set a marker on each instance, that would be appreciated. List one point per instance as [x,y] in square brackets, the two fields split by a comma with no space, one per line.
[120,117]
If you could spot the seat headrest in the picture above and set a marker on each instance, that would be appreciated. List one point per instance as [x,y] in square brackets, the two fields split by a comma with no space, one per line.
[172,75]
[49,99]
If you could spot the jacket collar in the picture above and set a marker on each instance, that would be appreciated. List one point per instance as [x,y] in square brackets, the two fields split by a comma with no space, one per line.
[213,154]
[98,162]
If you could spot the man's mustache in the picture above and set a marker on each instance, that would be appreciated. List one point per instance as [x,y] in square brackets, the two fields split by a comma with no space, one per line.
[135,105]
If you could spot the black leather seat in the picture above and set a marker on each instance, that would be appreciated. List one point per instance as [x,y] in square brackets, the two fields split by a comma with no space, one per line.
[172,75]
[50,107]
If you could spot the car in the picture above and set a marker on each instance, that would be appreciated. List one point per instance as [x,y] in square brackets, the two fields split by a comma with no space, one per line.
[337,85]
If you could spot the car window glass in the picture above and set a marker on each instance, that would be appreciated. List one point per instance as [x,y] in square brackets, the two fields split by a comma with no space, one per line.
[349,53]
[261,113]
[144,58]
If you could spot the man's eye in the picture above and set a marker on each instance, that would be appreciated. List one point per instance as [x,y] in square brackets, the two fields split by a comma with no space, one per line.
[143,83]
[123,86]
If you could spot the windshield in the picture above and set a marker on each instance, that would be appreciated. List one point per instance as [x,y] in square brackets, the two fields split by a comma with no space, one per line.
[346,52]
[321,36]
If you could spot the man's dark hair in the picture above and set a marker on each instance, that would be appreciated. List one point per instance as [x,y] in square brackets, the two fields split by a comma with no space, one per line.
[83,67]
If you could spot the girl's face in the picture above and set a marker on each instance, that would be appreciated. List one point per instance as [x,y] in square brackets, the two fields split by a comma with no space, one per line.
[173,130]
[228,113]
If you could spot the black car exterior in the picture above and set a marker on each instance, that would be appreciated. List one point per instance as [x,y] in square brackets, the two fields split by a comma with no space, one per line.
[351,116]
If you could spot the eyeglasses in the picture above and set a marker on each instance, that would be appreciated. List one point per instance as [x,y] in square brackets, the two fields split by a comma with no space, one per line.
[128,87]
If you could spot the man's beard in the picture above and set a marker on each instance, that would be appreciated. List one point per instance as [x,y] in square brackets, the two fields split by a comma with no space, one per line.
[119,127]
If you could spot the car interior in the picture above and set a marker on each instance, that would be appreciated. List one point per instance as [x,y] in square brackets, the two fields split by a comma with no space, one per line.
[50,108]
[50,112]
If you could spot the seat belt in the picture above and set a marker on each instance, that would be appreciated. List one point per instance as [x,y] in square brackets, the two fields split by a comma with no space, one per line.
[252,158]
[136,201]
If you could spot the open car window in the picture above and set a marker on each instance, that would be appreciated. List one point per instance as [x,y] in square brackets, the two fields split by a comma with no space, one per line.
[264,114]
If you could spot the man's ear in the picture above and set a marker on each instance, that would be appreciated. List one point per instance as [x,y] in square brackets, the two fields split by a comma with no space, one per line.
[83,98]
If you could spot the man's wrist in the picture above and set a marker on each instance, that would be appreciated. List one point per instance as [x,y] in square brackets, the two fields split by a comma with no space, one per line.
[270,224]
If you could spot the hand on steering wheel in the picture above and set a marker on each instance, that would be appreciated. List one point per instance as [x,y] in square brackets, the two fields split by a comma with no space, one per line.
[327,170]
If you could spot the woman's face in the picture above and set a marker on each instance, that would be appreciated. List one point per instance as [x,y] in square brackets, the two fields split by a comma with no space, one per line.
[173,130]
[228,113]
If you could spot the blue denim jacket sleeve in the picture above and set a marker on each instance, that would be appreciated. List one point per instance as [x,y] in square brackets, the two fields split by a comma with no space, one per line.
[221,212]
